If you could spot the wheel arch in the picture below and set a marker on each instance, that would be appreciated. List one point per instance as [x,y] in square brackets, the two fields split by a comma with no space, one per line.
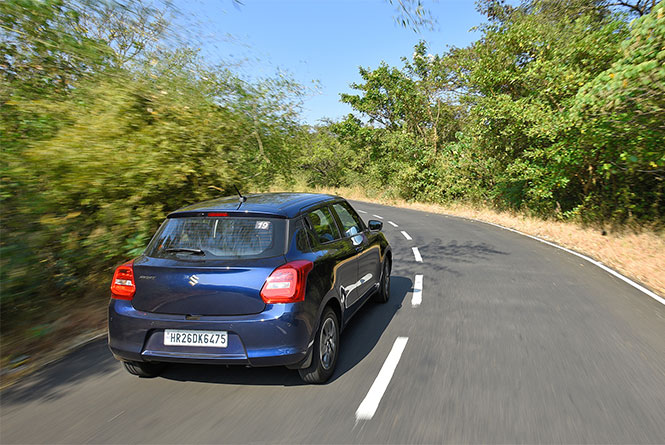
[389,257]
[336,306]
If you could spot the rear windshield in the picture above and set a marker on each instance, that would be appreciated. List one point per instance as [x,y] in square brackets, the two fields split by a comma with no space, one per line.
[218,238]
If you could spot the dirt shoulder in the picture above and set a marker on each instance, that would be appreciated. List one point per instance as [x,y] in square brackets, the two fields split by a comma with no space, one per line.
[51,337]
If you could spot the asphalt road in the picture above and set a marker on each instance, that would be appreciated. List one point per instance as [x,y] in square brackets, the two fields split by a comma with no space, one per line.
[514,341]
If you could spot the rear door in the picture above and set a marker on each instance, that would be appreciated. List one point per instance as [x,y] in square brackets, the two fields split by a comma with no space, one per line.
[336,253]
[209,265]
[368,256]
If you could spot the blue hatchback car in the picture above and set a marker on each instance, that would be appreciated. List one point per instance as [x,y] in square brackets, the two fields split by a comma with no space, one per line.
[265,280]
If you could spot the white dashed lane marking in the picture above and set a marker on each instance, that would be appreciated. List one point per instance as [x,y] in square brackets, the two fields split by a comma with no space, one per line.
[416,254]
[417,297]
[369,405]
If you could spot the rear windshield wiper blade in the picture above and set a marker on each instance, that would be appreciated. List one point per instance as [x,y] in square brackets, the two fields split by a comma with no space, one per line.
[185,250]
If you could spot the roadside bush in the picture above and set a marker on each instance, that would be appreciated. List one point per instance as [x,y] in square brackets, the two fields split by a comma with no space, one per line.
[96,153]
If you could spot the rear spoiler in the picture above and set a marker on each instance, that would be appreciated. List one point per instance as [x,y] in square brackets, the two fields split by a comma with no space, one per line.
[218,213]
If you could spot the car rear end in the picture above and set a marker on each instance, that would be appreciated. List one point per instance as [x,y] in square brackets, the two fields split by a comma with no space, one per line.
[213,287]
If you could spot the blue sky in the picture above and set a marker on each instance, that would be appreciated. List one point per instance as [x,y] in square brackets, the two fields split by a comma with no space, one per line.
[319,40]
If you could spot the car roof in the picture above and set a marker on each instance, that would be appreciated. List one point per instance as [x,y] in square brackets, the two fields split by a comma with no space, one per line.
[284,205]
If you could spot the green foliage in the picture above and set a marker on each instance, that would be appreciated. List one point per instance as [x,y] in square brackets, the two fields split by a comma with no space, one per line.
[97,150]
[410,99]
[622,114]
[326,162]
[525,73]
[412,14]
[556,109]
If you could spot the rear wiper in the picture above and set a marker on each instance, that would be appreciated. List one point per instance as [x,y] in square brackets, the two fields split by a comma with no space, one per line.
[185,250]
[240,197]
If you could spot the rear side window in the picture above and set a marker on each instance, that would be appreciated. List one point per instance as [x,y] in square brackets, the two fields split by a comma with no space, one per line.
[350,222]
[301,236]
[323,225]
[218,238]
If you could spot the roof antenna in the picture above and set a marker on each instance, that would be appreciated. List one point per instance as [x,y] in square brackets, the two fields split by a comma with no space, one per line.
[241,198]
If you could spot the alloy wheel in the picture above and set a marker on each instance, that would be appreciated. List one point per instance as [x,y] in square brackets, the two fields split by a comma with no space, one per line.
[327,345]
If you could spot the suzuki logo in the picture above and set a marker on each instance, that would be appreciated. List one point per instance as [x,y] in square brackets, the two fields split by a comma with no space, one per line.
[193,280]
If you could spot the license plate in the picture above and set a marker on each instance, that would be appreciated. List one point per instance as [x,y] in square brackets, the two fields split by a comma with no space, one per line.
[214,339]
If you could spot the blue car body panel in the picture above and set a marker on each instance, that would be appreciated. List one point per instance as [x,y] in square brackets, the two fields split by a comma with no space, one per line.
[280,335]
[222,287]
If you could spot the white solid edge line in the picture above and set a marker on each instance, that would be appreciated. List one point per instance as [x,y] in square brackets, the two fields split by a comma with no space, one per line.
[369,405]
[406,235]
[361,211]
[417,297]
[392,224]
[584,257]
[377,216]
[416,254]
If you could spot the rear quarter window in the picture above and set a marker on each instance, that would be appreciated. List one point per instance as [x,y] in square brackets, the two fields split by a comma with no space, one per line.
[301,236]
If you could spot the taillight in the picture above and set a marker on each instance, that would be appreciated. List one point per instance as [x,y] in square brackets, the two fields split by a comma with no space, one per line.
[123,286]
[286,284]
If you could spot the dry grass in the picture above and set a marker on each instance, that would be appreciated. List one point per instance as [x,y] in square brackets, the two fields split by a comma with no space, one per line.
[638,253]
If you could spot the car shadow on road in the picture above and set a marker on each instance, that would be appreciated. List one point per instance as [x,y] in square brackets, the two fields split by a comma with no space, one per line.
[460,252]
[232,375]
[358,339]
[452,255]
[368,325]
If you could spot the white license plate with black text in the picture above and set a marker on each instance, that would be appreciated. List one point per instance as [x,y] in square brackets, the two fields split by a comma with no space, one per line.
[178,337]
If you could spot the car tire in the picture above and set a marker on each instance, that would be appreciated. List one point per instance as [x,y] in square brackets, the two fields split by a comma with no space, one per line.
[143,369]
[324,351]
[383,294]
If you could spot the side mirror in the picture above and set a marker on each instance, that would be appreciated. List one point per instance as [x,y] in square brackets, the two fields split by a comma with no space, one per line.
[374,225]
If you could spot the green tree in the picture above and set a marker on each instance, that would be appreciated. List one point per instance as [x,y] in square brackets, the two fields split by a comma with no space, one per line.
[523,76]
[622,113]
[416,98]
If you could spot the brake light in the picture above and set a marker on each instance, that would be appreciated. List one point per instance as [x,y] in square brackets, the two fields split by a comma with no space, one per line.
[218,214]
[123,286]
[286,284]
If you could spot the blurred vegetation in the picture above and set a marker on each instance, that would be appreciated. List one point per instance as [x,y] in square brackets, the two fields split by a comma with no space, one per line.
[107,123]
[105,128]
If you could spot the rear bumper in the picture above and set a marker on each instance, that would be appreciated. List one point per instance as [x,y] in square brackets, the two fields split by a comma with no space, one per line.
[280,335]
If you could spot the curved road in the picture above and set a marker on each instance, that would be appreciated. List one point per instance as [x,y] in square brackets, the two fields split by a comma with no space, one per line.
[513,341]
